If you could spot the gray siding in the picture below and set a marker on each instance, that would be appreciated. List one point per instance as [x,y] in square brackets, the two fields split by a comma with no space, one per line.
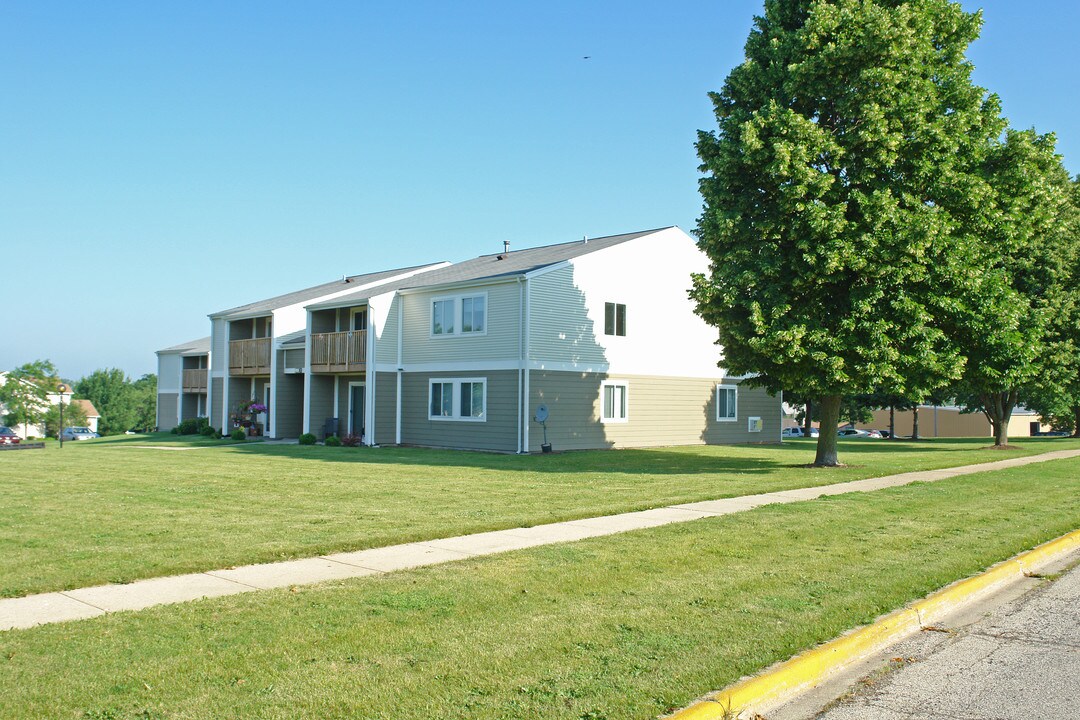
[385,408]
[189,405]
[169,371]
[559,327]
[343,399]
[218,340]
[217,388]
[322,402]
[498,432]
[502,319]
[288,407]
[166,410]
[291,358]
[661,411]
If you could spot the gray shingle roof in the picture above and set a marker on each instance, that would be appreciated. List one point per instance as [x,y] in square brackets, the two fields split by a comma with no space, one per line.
[487,267]
[192,347]
[269,305]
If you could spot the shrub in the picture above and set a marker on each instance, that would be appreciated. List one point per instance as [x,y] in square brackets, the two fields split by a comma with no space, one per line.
[332,441]
[351,439]
[175,430]
[209,431]
[238,434]
[307,439]
[187,427]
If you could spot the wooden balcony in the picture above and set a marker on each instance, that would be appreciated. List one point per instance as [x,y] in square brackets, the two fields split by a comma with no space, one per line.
[339,352]
[249,357]
[194,381]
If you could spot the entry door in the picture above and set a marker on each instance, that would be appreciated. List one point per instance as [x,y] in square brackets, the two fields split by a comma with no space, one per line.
[266,402]
[356,409]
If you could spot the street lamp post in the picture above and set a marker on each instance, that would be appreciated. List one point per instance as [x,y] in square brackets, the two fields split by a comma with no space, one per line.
[60,430]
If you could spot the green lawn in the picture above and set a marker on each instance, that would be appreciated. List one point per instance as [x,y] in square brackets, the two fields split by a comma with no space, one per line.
[627,626]
[111,511]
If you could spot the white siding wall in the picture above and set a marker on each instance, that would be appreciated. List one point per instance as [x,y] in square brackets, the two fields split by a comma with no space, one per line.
[651,276]
[561,330]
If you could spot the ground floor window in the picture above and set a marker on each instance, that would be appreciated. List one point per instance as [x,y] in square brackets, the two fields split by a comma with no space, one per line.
[458,399]
[615,402]
[727,403]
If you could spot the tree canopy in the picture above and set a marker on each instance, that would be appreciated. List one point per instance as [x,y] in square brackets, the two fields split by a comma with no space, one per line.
[844,192]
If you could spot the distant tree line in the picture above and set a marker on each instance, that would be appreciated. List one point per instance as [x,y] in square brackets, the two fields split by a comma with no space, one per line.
[124,404]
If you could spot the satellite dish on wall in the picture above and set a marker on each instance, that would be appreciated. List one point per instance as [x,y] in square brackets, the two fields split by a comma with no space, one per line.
[541,414]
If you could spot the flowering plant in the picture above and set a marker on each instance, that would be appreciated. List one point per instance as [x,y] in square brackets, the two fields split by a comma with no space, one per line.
[251,406]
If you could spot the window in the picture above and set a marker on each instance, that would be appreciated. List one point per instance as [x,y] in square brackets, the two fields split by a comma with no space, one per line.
[614,319]
[727,403]
[442,317]
[458,399]
[615,402]
[463,315]
[442,399]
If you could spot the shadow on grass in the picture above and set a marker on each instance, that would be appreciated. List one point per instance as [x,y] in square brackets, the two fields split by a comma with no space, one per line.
[687,460]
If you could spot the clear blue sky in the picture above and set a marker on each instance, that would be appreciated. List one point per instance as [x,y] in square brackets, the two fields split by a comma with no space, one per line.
[163,160]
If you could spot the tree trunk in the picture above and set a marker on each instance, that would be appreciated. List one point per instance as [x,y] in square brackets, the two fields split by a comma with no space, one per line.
[999,407]
[892,422]
[1076,422]
[806,420]
[915,423]
[829,409]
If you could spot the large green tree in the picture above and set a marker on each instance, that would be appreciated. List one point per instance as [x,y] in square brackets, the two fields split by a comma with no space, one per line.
[849,150]
[25,393]
[111,393]
[1008,336]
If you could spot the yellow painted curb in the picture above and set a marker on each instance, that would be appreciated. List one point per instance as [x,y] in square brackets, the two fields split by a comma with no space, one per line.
[811,667]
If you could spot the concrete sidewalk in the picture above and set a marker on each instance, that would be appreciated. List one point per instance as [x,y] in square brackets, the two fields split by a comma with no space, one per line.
[93,601]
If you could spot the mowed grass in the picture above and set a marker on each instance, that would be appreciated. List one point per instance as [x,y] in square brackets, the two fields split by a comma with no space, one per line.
[627,626]
[117,510]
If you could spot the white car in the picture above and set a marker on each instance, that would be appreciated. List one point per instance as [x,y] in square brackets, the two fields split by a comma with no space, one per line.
[78,433]
[798,432]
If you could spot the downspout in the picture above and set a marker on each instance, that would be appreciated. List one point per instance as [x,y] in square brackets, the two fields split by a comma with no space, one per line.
[271,410]
[307,375]
[210,377]
[521,356]
[400,367]
[525,433]
[371,378]
[225,382]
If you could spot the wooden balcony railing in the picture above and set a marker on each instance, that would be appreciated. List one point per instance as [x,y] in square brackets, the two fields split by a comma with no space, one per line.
[249,357]
[339,351]
[194,381]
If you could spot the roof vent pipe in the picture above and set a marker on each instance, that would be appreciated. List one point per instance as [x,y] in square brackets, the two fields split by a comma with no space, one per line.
[584,239]
[506,246]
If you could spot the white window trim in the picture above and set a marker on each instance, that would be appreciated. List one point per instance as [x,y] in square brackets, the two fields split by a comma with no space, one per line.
[716,400]
[455,415]
[458,310]
[626,395]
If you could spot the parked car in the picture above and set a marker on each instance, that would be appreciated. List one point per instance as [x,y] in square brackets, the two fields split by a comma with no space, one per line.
[884,433]
[8,436]
[78,433]
[798,432]
[857,433]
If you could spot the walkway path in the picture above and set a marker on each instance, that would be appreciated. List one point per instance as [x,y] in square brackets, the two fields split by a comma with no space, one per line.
[93,601]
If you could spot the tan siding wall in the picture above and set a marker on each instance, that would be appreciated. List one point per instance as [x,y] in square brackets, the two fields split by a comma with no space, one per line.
[217,387]
[500,342]
[288,405]
[166,410]
[559,327]
[661,411]
[948,423]
[385,408]
[499,432]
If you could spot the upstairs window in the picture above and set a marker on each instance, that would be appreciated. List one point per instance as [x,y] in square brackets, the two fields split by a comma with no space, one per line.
[461,315]
[615,319]
[727,402]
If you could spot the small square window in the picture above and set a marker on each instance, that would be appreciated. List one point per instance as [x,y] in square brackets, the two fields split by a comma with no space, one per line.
[615,319]
[727,401]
